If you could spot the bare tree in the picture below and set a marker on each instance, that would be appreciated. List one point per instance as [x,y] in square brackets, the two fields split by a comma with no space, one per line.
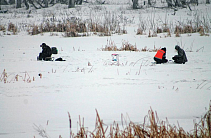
[169,2]
[46,3]
[52,2]
[71,4]
[11,1]
[178,3]
[78,2]
[26,4]
[194,1]
[135,4]
[18,4]
[149,2]
[38,4]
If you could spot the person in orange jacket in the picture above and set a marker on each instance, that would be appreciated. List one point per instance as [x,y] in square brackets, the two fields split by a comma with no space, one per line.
[160,56]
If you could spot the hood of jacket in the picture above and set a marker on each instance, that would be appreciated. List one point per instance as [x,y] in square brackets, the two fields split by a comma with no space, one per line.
[177,47]
[181,54]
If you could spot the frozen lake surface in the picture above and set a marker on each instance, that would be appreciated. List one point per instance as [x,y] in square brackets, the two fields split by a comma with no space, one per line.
[179,92]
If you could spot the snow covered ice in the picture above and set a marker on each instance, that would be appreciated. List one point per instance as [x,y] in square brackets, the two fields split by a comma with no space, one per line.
[179,92]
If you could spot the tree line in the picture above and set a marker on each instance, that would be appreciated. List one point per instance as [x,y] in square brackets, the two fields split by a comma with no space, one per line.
[38,4]
[171,3]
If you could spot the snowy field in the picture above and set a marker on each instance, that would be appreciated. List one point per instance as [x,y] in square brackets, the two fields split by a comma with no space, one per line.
[179,92]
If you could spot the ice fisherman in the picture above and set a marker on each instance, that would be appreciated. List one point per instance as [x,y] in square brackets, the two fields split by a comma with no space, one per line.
[181,57]
[160,56]
[46,52]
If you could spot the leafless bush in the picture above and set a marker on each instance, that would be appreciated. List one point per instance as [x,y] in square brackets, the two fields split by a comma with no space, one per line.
[70,29]
[110,46]
[70,33]
[189,29]
[2,28]
[201,30]
[178,29]
[200,23]
[144,49]
[100,29]
[12,28]
[34,31]
[152,33]
[166,29]
[159,30]
[142,25]
[126,46]
[139,31]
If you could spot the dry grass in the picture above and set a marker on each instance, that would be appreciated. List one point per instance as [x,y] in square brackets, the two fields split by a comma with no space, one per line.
[35,30]
[100,30]
[126,46]
[164,30]
[12,28]
[73,29]
[140,31]
[110,46]
[11,78]
[201,31]
[70,29]
[145,49]
[159,30]
[106,25]
[152,127]
[2,28]
[178,29]
[189,29]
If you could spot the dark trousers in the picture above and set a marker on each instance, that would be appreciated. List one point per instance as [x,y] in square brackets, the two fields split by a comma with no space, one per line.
[159,61]
[42,56]
[178,60]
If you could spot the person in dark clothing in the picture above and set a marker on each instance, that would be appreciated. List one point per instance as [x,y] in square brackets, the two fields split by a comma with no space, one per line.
[160,56]
[46,52]
[181,57]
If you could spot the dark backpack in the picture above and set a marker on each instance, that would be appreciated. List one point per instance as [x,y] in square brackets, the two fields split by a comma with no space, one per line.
[54,50]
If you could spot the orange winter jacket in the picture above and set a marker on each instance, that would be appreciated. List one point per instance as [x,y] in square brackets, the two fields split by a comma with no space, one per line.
[159,54]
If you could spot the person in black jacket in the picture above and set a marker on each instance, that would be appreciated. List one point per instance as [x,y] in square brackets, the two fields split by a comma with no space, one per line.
[46,52]
[181,57]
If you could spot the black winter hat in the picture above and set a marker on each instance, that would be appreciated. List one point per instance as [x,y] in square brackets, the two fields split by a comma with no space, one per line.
[164,49]
[43,44]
